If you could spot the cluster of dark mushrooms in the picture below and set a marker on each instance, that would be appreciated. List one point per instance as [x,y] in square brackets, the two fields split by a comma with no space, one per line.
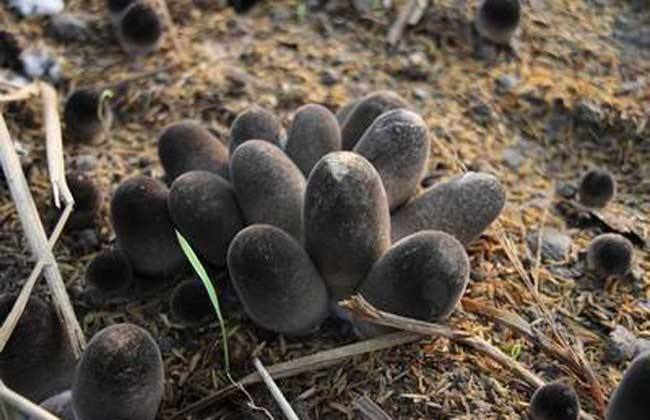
[299,221]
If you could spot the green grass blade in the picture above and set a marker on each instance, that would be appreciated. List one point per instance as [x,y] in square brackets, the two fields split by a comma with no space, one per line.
[212,294]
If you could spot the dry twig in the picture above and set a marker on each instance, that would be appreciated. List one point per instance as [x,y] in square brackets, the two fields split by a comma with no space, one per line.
[24,405]
[20,93]
[410,15]
[320,360]
[35,233]
[369,409]
[170,23]
[519,325]
[578,358]
[17,310]
[364,310]
[277,394]
[55,163]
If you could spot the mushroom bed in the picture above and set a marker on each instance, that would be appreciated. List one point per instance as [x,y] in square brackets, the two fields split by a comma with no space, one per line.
[487,173]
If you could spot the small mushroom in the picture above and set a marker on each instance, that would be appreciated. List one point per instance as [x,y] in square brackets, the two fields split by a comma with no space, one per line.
[397,145]
[364,114]
[314,133]
[423,276]
[117,9]
[187,146]
[255,123]
[204,209]
[347,223]
[143,228]
[140,30]
[37,361]
[88,200]
[276,281]
[110,271]
[87,116]
[120,376]
[554,401]
[610,254]
[497,20]
[269,186]
[597,188]
[630,399]
[190,303]
[242,6]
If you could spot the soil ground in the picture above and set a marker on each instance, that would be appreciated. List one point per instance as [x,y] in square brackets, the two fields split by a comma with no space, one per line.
[577,96]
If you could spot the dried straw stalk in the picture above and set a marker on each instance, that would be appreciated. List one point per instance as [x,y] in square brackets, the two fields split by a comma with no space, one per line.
[33,227]
[23,405]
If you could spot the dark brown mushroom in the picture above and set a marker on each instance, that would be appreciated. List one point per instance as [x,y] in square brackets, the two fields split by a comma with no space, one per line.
[276,281]
[120,376]
[186,146]
[347,223]
[143,228]
[37,361]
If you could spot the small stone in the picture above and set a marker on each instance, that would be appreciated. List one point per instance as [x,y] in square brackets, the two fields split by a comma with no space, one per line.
[67,27]
[37,7]
[555,244]
[587,113]
[482,113]
[513,158]
[420,94]
[85,163]
[40,64]
[328,78]
[506,83]
[363,6]
[623,345]
[567,190]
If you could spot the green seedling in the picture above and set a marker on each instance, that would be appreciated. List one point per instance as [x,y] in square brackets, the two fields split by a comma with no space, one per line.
[212,293]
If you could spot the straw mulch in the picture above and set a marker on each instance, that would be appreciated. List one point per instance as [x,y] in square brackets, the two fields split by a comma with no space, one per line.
[573,105]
